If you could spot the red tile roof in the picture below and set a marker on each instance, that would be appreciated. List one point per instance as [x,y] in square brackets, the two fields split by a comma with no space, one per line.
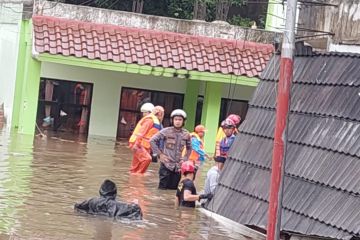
[149,47]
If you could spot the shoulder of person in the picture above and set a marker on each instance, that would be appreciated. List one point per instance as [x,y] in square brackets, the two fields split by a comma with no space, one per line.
[188,183]
[165,130]
[186,133]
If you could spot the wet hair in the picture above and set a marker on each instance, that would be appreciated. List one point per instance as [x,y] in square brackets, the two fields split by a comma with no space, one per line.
[108,188]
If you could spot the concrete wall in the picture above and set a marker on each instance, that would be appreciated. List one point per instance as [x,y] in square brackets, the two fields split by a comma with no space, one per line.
[342,19]
[129,19]
[107,90]
[10,18]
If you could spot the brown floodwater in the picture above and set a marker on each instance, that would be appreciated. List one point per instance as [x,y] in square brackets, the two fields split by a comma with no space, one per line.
[42,178]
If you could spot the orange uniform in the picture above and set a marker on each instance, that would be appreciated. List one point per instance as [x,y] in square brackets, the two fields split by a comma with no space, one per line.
[147,127]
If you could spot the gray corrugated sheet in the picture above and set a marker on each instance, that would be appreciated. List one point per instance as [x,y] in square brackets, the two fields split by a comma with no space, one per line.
[322,180]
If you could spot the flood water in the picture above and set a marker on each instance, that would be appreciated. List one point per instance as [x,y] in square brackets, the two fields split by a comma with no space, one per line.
[42,178]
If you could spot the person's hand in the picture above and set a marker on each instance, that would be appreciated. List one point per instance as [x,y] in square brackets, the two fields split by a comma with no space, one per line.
[208,196]
[154,157]
[163,157]
[135,147]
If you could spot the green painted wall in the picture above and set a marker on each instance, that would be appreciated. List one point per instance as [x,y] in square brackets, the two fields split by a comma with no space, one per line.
[30,87]
[190,102]
[275,16]
[211,113]
[20,71]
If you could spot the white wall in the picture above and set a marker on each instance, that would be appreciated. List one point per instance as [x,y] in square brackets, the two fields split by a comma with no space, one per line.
[107,91]
[344,48]
[10,17]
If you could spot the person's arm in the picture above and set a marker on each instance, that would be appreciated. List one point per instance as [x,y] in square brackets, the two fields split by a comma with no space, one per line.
[82,207]
[192,198]
[155,142]
[219,136]
[217,148]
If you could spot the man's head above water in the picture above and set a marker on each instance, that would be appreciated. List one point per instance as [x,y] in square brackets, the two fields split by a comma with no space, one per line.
[108,189]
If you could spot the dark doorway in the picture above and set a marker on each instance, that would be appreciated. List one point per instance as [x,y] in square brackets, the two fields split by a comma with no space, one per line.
[228,106]
[64,106]
[131,101]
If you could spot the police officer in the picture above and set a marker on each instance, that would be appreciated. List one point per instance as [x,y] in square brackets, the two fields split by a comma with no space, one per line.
[168,145]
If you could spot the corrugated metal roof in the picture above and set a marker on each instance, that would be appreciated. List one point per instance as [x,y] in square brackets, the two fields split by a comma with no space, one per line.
[322,183]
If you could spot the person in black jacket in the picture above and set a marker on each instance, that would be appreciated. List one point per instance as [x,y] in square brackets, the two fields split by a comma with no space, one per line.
[107,205]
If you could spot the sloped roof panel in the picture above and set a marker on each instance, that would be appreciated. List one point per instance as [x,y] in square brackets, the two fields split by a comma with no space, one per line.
[321,183]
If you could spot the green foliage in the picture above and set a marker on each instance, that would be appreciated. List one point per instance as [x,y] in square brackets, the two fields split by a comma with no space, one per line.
[239,21]
[181,9]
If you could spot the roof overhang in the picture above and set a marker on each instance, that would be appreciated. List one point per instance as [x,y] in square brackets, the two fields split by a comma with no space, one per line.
[148,70]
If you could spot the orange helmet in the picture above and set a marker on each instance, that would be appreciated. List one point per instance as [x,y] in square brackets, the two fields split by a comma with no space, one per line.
[200,128]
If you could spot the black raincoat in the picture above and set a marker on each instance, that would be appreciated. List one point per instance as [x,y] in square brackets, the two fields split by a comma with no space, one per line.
[106,205]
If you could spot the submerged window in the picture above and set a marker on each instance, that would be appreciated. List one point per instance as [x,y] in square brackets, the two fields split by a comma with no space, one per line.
[228,106]
[64,106]
[131,101]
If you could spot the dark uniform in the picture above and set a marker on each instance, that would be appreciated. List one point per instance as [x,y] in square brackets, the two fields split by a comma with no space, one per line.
[185,184]
[170,142]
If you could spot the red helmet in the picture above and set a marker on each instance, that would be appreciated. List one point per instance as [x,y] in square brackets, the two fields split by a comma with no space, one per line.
[235,118]
[187,166]
[228,123]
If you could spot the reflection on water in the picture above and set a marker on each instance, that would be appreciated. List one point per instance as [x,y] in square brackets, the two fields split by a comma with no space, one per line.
[41,179]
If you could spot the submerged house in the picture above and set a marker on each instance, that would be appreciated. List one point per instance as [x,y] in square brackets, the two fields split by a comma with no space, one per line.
[84,70]
[321,182]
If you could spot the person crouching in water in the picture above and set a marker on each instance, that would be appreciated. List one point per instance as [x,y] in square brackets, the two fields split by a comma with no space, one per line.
[139,141]
[168,145]
[186,192]
[107,205]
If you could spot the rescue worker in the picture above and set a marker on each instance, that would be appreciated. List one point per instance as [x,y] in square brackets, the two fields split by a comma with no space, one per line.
[107,205]
[212,176]
[197,154]
[222,149]
[168,145]
[220,133]
[146,108]
[186,192]
[139,143]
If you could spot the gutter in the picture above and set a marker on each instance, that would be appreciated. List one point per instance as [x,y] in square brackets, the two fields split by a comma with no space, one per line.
[234,226]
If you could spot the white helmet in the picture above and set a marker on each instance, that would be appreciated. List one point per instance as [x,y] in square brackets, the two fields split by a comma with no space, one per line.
[178,112]
[147,107]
